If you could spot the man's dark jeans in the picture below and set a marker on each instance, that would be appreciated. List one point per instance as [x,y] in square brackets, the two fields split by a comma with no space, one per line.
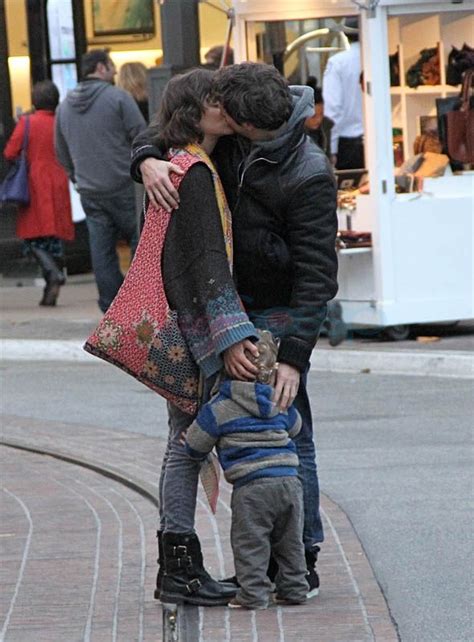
[308,473]
[109,218]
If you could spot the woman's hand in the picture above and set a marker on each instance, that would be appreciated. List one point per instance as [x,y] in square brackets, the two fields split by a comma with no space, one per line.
[286,386]
[156,180]
[237,364]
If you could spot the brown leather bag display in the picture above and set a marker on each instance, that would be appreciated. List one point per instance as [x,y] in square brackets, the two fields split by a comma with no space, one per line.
[460,125]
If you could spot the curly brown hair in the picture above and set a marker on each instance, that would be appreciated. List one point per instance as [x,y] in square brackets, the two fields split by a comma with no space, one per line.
[254,93]
[177,122]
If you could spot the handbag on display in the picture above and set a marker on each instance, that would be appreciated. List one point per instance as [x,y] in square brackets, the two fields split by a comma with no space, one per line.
[139,333]
[459,61]
[443,106]
[460,125]
[426,70]
[14,188]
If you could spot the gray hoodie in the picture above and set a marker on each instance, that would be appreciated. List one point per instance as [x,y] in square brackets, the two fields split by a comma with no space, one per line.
[303,107]
[95,126]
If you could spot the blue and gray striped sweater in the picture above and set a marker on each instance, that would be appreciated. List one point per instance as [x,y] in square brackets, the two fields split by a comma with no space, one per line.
[253,438]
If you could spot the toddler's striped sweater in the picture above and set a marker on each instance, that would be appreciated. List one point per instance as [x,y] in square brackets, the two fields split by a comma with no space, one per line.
[253,438]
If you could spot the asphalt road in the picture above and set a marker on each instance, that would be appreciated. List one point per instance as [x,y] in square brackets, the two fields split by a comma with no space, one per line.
[395,452]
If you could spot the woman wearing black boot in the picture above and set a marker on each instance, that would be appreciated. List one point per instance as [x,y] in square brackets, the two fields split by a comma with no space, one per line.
[196,266]
[47,221]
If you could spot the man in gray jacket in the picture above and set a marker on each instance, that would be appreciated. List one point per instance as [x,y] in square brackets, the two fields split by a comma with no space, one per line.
[95,126]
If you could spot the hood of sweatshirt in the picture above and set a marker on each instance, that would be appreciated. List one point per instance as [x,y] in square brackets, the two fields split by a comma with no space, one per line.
[85,94]
[253,398]
[291,133]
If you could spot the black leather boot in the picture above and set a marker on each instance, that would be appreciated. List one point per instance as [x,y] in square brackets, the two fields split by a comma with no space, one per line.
[53,276]
[161,565]
[185,580]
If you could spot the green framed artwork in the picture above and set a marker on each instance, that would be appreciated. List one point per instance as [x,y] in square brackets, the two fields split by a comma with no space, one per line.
[122,17]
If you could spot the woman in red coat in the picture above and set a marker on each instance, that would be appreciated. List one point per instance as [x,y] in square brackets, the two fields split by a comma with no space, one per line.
[47,221]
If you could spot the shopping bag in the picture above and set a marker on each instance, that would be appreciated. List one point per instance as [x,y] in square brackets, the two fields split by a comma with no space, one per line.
[139,333]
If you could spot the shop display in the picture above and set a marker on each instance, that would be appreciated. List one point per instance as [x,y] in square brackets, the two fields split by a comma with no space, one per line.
[394,65]
[426,70]
[459,61]
[350,239]
[460,125]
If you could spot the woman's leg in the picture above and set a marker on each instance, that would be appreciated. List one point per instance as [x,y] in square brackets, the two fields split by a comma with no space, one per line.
[180,477]
[48,252]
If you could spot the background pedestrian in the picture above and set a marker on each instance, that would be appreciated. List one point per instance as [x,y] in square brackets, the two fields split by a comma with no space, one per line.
[133,78]
[47,220]
[95,126]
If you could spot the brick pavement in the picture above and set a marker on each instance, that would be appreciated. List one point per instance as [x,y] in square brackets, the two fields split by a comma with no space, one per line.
[78,552]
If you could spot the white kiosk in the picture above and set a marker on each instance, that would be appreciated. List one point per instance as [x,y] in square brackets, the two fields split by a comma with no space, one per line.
[420,266]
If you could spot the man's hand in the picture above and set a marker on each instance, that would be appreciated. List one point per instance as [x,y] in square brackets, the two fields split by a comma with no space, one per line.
[156,180]
[237,364]
[333,159]
[286,386]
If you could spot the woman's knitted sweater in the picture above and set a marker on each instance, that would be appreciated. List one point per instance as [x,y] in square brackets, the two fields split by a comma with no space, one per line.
[196,274]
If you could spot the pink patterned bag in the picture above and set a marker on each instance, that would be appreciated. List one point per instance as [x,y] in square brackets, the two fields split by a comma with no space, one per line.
[139,333]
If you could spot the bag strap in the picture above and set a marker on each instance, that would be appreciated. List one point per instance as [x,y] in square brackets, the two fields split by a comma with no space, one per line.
[26,135]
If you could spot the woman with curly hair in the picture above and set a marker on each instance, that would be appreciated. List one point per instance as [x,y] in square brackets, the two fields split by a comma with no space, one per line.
[196,268]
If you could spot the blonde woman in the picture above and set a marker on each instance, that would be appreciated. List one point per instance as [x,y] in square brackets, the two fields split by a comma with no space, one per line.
[132,77]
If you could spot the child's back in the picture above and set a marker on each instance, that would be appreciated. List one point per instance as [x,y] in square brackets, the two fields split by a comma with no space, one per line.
[256,451]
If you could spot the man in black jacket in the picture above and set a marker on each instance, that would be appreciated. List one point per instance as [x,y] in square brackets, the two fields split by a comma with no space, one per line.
[282,194]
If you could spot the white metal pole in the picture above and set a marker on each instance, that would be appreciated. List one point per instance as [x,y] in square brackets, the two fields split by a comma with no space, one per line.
[379,150]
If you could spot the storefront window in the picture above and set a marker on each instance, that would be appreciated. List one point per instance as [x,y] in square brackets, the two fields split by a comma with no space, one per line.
[61,44]
[298,48]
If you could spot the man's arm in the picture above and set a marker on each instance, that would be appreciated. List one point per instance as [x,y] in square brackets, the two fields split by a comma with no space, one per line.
[333,101]
[149,167]
[62,150]
[312,228]
[132,117]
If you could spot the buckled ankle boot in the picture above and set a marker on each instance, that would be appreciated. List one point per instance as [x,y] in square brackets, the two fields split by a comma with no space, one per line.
[161,563]
[185,580]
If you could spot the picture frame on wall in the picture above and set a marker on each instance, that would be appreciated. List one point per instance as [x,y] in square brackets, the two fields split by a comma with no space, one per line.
[122,17]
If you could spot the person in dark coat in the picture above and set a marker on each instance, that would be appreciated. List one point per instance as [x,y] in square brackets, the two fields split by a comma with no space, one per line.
[282,193]
[47,221]
[318,127]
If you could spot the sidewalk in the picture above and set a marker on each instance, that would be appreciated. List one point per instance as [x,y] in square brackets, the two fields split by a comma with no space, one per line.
[79,517]
[58,334]
[79,553]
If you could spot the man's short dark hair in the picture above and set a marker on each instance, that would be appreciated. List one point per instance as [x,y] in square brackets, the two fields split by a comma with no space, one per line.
[182,105]
[91,59]
[45,95]
[254,93]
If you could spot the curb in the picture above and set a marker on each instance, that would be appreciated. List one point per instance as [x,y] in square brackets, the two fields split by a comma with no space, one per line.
[458,364]
[422,364]
[133,483]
